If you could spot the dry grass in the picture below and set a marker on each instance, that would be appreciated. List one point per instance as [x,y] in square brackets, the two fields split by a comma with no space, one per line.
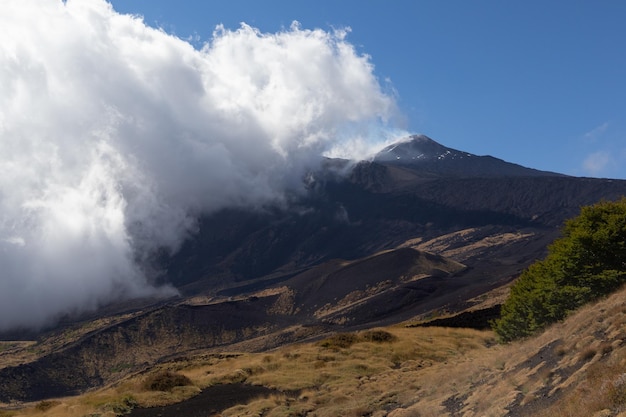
[378,370]
[575,368]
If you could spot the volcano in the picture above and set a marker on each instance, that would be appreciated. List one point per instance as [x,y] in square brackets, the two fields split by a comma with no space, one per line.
[420,228]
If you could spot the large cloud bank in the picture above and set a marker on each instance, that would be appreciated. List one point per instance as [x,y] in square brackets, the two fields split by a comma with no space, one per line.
[114,135]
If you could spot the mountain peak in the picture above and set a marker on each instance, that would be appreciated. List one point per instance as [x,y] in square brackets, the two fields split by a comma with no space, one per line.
[418,148]
[422,154]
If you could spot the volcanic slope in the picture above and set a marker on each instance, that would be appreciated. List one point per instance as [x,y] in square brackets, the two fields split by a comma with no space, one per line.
[574,368]
[353,212]
[368,245]
[307,305]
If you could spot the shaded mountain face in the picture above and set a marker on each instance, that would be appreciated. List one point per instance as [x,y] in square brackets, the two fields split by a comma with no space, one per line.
[416,188]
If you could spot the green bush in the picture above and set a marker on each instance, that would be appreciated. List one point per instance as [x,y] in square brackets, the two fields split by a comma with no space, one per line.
[589,261]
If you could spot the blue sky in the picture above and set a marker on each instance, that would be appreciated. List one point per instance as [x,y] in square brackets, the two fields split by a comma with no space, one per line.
[537,83]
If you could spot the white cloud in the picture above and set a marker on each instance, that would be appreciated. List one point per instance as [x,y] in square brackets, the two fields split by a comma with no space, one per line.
[114,135]
[596,132]
[597,163]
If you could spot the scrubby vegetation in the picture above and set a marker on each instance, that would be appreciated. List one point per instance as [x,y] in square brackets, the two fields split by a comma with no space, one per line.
[46,405]
[588,262]
[120,407]
[574,369]
[345,340]
[166,381]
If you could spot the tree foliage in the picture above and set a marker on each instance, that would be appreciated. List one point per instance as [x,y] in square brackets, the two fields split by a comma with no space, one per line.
[587,262]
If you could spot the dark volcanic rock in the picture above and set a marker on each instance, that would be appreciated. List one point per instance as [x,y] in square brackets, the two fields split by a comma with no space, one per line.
[475,319]
[209,402]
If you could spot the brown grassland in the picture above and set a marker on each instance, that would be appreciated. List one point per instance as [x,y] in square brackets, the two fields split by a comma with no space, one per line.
[574,368]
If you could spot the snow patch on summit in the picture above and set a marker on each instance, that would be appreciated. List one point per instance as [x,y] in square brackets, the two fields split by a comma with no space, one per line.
[418,148]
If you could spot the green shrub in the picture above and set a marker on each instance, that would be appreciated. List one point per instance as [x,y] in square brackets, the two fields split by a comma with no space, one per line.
[589,261]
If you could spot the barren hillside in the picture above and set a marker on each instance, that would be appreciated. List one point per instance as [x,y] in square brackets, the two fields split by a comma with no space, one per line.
[574,368]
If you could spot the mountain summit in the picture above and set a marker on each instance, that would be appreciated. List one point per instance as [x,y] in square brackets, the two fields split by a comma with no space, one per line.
[418,148]
[421,153]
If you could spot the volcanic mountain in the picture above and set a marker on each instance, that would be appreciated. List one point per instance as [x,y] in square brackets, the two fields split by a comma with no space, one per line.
[421,228]
[415,189]
[422,154]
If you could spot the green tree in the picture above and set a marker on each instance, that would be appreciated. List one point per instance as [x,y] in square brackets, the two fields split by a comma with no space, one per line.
[587,262]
